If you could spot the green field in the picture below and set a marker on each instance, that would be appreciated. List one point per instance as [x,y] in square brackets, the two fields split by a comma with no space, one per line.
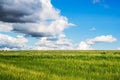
[60,65]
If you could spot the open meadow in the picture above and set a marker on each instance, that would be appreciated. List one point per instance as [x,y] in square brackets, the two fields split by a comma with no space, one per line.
[60,65]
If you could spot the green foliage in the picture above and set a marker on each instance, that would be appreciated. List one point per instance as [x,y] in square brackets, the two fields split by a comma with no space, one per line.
[60,65]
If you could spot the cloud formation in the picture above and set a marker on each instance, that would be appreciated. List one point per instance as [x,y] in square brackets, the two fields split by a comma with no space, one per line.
[5,27]
[45,43]
[11,42]
[33,18]
[86,45]
[53,43]
[36,18]
[101,3]
[103,38]
[19,10]
[42,29]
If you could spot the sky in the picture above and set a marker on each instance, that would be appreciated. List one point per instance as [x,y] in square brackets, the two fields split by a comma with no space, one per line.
[59,25]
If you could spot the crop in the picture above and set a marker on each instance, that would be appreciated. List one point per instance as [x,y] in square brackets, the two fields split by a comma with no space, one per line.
[60,65]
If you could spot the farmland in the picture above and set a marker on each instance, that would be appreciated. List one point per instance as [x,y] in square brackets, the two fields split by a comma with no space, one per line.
[60,65]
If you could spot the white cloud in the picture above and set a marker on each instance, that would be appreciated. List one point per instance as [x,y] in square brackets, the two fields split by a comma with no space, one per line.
[59,43]
[36,18]
[5,27]
[101,3]
[86,45]
[103,38]
[48,11]
[64,43]
[51,43]
[11,42]
[43,29]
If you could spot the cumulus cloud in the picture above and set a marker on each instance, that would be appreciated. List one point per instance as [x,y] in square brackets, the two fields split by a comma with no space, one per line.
[5,27]
[36,18]
[19,10]
[42,29]
[86,45]
[11,42]
[103,38]
[54,43]
[51,43]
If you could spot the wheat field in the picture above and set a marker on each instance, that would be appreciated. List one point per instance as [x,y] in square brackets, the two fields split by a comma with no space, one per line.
[60,65]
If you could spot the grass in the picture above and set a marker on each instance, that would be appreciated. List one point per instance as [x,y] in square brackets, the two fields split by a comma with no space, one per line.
[60,65]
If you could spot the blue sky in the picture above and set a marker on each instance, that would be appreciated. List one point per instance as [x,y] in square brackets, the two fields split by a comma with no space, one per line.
[86,15]
[60,24]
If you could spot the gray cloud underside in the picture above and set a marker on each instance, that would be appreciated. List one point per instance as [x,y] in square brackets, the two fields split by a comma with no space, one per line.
[19,11]
[35,18]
